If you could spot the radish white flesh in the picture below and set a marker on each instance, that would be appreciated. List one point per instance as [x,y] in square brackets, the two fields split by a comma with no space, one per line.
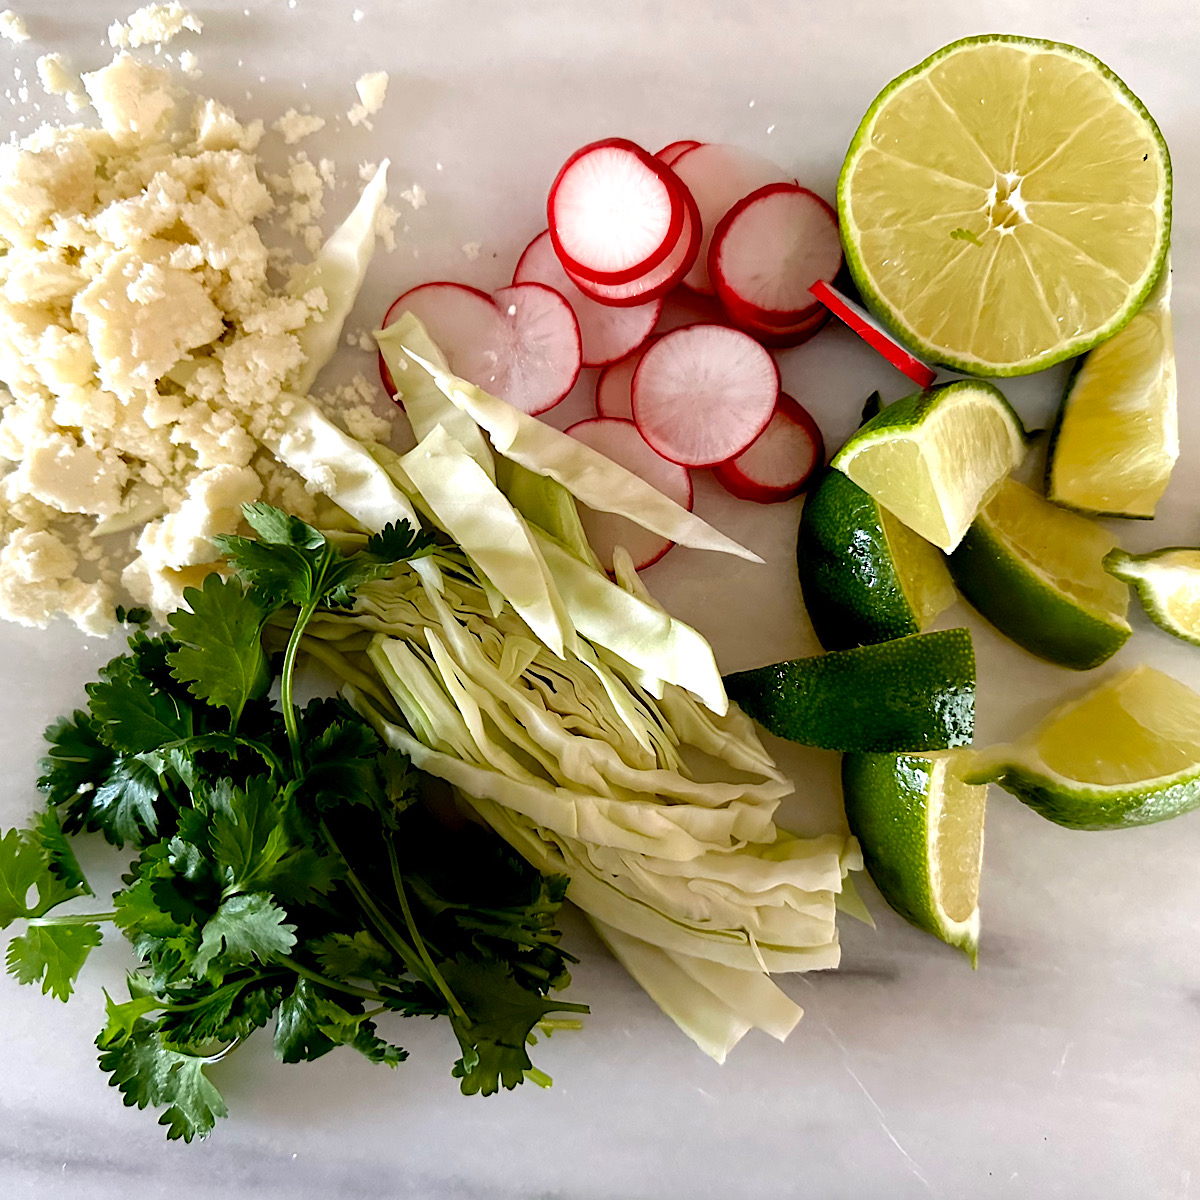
[656,283]
[779,463]
[620,441]
[703,393]
[464,322]
[671,152]
[608,333]
[614,388]
[541,358]
[613,214]
[767,252]
[874,334]
[718,176]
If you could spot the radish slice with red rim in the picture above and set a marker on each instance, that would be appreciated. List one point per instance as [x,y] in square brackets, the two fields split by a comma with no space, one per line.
[779,463]
[782,337]
[621,442]
[542,356]
[664,277]
[608,333]
[874,334]
[703,393]
[614,388]
[769,249]
[671,152]
[463,321]
[613,212]
[718,176]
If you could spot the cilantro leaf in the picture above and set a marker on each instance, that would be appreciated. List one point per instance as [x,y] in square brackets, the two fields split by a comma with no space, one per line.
[398,542]
[124,806]
[132,713]
[200,1015]
[53,954]
[220,656]
[248,835]
[76,761]
[277,528]
[60,858]
[311,1023]
[148,1073]
[24,866]
[244,928]
[133,616]
[351,956]
[122,1019]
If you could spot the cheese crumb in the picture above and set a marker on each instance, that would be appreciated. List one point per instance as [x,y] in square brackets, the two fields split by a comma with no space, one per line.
[57,79]
[155,23]
[372,91]
[294,126]
[415,195]
[12,26]
[189,64]
[471,250]
[357,15]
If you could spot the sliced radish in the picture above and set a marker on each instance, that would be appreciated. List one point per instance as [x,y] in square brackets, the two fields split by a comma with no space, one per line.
[671,152]
[543,353]
[614,214]
[873,334]
[769,249]
[608,333]
[780,337]
[685,307]
[614,388]
[778,464]
[656,283]
[718,176]
[620,441]
[703,393]
[463,321]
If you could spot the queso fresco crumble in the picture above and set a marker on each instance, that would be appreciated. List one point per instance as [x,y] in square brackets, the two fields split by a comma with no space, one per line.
[143,350]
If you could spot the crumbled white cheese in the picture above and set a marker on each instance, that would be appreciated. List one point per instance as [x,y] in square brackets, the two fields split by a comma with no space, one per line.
[353,407]
[357,15]
[471,250]
[293,126]
[57,79]
[153,24]
[189,63]
[12,26]
[415,195]
[385,226]
[372,91]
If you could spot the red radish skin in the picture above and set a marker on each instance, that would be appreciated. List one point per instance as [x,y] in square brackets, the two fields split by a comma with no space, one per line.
[768,250]
[780,462]
[614,213]
[783,337]
[874,334]
[663,278]
[542,357]
[718,176]
[703,393]
[621,442]
[463,321]
[608,333]
[671,152]
[614,387]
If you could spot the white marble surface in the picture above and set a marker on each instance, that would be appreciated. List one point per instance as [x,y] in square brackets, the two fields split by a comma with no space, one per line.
[1067,1066]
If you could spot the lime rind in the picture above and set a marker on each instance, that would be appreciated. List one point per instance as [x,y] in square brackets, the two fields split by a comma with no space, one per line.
[1156,578]
[1069,348]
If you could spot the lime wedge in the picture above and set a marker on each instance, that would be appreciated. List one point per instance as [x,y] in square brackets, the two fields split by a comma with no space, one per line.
[864,576]
[1167,583]
[934,458]
[1036,572]
[914,693]
[1005,204]
[1128,753]
[1117,435]
[920,827]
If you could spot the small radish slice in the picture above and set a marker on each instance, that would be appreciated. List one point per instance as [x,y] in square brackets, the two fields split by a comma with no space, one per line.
[718,176]
[463,321]
[670,153]
[778,464]
[769,249]
[873,334]
[608,333]
[781,337]
[703,393]
[613,212]
[620,441]
[614,388]
[542,355]
[664,277]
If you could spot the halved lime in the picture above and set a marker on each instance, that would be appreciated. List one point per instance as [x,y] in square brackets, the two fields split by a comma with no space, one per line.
[914,693]
[1127,753]
[1167,583]
[920,827]
[1006,204]
[865,577]
[1117,434]
[1036,572]
[934,458]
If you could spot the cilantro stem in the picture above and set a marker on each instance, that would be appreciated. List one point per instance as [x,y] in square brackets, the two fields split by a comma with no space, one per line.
[539,1077]
[74,919]
[285,687]
[325,981]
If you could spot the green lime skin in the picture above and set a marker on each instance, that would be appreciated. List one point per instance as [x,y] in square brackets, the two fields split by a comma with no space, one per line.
[847,578]
[1027,610]
[914,693]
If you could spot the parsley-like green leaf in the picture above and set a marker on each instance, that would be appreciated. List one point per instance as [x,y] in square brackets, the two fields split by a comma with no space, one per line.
[311,1023]
[53,954]
[60,858]
[399,542]
[248,835]
[351,956]
[133,616]
[123,807]
[122,1019]
[22,867]
[75,763]
[220,656]
[244,928]
[200,1016]
[277,528]
[131,713]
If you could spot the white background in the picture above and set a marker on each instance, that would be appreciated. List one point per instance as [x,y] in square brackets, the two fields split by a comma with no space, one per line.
[1067,1066]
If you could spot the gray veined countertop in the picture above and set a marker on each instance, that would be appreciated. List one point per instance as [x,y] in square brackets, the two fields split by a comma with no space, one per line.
[1067,1066]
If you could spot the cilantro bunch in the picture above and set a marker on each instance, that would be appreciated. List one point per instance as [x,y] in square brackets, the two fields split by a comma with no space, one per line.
[284,870]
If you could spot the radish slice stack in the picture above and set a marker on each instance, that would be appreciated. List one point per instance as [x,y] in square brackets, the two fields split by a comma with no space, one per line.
[779,463]
[620,441]
[673,150]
